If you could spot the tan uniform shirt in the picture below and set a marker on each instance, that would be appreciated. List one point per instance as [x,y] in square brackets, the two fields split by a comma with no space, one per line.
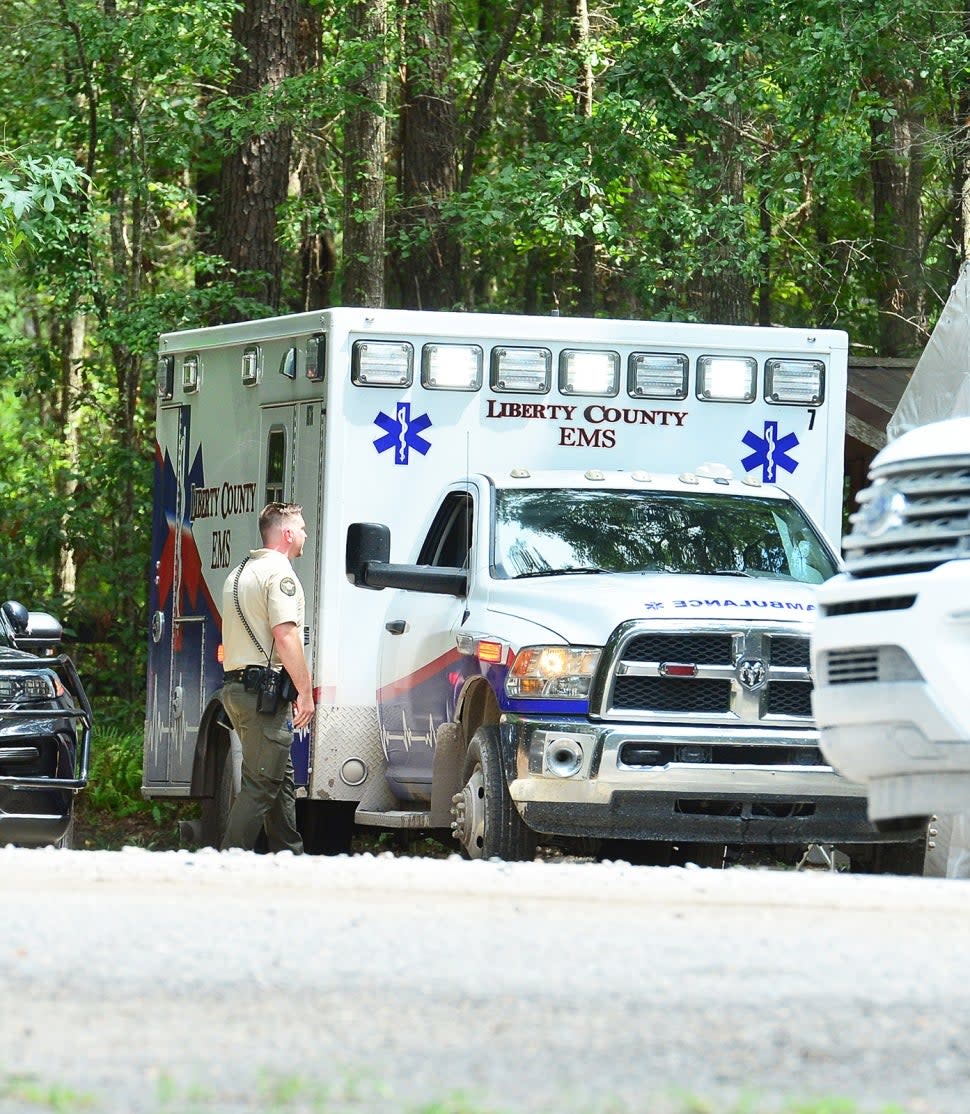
[269,593]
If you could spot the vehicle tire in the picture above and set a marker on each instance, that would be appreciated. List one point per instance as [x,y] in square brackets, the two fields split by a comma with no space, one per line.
[215,811]
[486,821]
[67,839]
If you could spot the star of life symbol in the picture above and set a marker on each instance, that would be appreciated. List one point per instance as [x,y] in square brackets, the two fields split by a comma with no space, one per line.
[401,433]
[770,452]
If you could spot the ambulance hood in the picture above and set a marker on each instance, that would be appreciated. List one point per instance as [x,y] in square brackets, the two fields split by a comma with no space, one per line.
[584,609]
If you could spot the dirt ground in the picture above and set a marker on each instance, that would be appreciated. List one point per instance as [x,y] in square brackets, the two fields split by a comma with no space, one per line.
[98,830]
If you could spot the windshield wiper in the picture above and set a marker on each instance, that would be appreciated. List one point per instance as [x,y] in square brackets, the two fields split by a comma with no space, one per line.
[583,569]
[727,572]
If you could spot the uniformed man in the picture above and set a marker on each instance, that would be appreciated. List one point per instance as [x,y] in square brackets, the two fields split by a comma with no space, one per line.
[262,624]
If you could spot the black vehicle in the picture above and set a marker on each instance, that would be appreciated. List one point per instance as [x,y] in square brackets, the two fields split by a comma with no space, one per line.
[45,730]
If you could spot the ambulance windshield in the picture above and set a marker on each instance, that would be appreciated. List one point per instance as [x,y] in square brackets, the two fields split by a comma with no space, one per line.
[545,532]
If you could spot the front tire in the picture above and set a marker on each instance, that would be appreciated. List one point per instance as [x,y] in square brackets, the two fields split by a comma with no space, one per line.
[485,820]
[66,842]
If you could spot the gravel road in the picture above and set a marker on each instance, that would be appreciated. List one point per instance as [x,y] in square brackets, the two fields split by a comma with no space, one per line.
[179,982]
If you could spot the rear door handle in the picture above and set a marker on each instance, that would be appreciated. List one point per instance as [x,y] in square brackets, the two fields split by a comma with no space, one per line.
[396,626]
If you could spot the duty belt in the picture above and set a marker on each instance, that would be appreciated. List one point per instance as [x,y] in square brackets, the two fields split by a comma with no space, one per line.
[238,674]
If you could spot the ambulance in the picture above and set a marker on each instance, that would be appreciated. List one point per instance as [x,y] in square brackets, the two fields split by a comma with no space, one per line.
[560,575]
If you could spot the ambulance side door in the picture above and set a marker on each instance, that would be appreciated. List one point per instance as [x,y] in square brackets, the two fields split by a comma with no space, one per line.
[291,471]
[419,668]
[165,727]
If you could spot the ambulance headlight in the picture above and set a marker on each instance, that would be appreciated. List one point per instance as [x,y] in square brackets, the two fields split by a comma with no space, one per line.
[657,375]
[451,367]
[521,369]
[797,382]
[726,378]
[381,363]
[589,373]
[552,673]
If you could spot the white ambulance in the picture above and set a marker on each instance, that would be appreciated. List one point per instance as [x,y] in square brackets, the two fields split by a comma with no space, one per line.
[600,541]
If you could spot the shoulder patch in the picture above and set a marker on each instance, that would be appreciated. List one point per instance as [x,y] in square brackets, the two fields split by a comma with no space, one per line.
[288,586]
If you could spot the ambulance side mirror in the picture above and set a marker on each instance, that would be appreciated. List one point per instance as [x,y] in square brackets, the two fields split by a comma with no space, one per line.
[367,565]
[366,542]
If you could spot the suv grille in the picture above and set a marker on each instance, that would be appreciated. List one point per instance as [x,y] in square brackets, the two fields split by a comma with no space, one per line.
[868,665]
[915,516]
[722,675]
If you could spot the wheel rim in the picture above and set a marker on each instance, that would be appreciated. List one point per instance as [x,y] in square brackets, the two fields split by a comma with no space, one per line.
[468,812]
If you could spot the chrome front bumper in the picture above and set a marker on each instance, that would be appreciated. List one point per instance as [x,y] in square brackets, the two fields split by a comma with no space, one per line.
[737,802]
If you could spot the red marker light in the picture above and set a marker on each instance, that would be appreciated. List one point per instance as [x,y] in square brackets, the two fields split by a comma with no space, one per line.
[674,669]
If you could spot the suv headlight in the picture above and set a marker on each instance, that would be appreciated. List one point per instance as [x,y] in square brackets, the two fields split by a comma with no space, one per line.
[26,687]
[552,672]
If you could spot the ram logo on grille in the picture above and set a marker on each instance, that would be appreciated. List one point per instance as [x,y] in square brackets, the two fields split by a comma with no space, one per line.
[752,673]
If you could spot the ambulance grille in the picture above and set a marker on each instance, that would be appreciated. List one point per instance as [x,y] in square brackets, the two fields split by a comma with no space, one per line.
[722,674]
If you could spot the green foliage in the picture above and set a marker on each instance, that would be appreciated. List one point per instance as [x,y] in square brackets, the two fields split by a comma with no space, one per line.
[115,773]
[34,189]
[726,145]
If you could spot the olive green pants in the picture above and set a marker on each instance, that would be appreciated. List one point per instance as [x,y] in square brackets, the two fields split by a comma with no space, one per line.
[267,795]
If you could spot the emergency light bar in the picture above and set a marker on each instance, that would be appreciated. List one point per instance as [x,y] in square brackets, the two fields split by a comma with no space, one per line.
[798,382]
[382,363]
[726,378]
[657,375]
[452,367]
[521,369]
[589,373]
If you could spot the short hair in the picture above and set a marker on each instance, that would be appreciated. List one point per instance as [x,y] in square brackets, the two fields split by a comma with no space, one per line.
[274,515]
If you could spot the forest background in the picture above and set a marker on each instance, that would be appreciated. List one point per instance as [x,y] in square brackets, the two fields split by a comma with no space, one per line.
[166,164]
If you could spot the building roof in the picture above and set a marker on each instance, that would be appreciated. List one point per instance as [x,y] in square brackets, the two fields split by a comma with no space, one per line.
[875,387]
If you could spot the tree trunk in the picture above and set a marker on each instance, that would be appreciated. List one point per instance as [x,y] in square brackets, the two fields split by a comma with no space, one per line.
[726,295]
[585,259]
[897,182]
[254,177]
[430,264]
[540,276]
[65,583]
[365,148]
[317,260]
[963,156]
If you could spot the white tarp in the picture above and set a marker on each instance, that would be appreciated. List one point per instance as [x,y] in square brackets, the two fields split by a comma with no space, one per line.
[940,385]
